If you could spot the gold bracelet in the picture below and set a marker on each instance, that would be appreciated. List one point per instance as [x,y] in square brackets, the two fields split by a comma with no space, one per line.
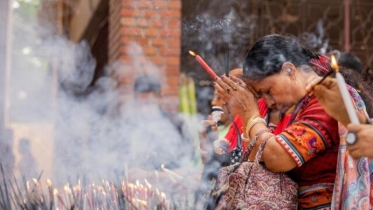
[254,122]
[249,121]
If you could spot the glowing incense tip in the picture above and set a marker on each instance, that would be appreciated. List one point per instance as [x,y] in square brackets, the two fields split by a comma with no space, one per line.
[49,183]
[334,63]
[192,53]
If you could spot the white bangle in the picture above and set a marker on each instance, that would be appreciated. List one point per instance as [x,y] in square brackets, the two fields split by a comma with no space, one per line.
[254,122]
[245,139]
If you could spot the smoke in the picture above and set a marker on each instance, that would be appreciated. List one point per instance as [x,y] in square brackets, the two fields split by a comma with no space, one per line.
[71,128]
[218,28]
[316,41]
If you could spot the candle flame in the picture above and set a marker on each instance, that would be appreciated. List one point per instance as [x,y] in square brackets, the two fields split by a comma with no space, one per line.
[192,53]
[55,192]
[334,63]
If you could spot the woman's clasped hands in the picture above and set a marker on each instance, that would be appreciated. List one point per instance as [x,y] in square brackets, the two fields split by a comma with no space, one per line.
[240,99]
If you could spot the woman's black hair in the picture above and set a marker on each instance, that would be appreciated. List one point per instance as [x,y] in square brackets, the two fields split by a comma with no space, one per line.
[269,53]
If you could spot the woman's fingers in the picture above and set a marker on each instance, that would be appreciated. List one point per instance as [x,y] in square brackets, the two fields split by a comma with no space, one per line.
[238,81]
[232,84]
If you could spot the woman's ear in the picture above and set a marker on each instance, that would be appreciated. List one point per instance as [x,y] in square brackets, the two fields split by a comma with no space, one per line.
[289,68]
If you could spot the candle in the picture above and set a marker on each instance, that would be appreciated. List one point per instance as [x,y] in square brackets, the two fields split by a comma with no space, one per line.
[204,65]
[345,94]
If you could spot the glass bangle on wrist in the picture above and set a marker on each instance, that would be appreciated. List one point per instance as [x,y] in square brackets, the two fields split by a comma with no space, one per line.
[245,139]
[249,121]
[254,122]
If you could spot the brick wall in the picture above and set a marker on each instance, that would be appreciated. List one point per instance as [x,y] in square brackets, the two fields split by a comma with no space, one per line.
[156,27]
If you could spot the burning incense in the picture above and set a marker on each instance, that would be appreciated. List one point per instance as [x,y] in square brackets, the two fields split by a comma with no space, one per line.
[171,173]
[204,65]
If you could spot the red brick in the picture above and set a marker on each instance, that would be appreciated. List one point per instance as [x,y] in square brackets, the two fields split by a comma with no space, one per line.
[151,13]
[173,80]
[150,51]
[123,49]
[170,33]
[127,70]
[160,4]
[142,22]
[172,71]
[126,58]
[174,4]
[174,42]
[158,23]
[126,12]
[171,14]
[126,40]
[159,42]
[128,4]
[131,31]
[173,61]
[143,41]
[170,90]
[146,4]
[159,60]
[151,32]
[169,51]
[128,21]
[174,23]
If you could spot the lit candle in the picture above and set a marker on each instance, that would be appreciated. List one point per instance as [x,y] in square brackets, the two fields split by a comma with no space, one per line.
[204,65]
[345,94]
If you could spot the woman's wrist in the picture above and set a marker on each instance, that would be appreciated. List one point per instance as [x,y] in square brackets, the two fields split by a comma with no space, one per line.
[256,129]
[247,118]
[253,122]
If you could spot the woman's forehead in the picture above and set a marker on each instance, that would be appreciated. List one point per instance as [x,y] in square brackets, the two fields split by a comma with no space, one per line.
[262,84]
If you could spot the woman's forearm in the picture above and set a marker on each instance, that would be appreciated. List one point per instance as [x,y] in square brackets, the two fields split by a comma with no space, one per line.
[274,156]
